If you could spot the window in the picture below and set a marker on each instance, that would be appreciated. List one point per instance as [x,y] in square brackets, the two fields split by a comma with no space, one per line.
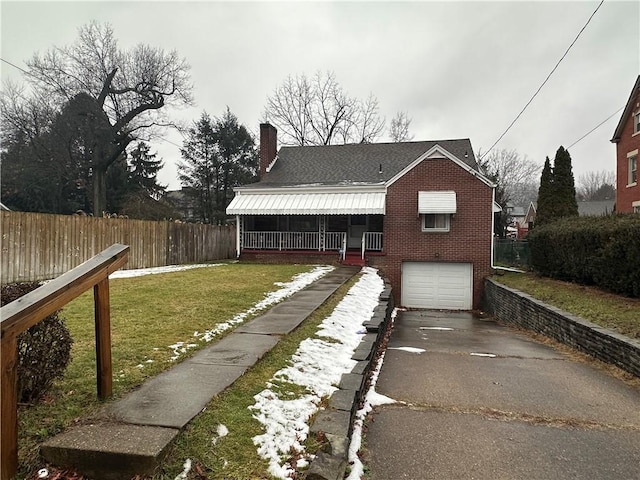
[436,222]
[633,169]
[636,122]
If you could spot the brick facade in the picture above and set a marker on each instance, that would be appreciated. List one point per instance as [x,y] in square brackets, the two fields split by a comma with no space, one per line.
[627,142]
[469,238]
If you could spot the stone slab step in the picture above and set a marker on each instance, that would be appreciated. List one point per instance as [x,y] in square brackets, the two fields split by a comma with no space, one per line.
[110,451]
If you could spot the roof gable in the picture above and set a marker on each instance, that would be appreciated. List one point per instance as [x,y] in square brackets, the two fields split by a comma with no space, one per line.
[438,153]
[629,107]
[357,164]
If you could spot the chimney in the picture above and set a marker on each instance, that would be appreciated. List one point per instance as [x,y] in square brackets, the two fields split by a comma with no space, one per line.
[268,146]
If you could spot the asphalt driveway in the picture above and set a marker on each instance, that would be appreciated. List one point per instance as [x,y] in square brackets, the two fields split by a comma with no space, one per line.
[483,401]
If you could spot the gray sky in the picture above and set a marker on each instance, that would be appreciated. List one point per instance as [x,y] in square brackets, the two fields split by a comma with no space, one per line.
[459,69]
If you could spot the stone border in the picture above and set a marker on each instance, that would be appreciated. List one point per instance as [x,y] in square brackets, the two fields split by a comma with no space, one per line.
[515,307]
[336,421]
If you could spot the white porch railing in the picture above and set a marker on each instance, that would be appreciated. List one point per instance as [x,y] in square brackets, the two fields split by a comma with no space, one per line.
[291,240]
[371,241]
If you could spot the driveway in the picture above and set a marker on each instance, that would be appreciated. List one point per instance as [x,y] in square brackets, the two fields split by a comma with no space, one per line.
[483,401]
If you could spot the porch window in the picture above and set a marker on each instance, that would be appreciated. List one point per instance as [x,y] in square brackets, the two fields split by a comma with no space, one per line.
[303,223]
[436,222]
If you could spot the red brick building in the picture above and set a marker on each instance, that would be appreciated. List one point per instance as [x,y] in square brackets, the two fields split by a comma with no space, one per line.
[421,212]
[627,140]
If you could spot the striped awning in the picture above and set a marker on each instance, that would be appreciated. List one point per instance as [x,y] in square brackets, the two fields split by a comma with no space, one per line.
[371,203]
[436,202]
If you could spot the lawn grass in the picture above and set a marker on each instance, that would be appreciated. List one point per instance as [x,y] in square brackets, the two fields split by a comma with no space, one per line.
[235,456]
[606,309]
[148,314]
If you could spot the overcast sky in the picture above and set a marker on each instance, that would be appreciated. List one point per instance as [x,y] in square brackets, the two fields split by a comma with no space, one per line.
[459,69]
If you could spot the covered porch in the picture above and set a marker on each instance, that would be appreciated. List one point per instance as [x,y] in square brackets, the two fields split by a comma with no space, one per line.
[319,220]
[322,233]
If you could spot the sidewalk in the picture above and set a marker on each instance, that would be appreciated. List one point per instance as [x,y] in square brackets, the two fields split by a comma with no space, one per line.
[133,433]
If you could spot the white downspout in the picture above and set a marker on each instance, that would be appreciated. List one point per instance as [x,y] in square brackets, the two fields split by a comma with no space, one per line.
[493,226]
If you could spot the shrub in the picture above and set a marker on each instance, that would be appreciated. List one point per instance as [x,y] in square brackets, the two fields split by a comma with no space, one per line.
[44,350]
[602,251]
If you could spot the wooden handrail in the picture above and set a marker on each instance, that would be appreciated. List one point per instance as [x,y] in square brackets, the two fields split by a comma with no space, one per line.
[19,315]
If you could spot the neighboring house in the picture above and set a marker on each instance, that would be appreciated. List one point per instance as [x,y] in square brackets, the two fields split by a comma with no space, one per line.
[627,140]
[596,207]
[421,212]
[527,222]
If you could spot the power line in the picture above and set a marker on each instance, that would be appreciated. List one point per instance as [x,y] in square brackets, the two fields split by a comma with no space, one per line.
[545,81]
[595,128]
[14,66]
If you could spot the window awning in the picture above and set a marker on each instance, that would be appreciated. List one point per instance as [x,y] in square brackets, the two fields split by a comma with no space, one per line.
[436,202]
[308,204]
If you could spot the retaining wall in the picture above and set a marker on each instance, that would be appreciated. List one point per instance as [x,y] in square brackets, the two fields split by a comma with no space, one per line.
[515,307]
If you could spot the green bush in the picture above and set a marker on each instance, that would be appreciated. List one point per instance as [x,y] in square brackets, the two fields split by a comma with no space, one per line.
[602,251]
[44,350]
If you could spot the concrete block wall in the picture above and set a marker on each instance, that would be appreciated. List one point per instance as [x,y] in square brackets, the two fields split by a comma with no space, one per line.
[334,424]
[515,307]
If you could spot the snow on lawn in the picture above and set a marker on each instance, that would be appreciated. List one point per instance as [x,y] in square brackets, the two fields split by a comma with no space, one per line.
[298,282]
[155,270]
[318,365]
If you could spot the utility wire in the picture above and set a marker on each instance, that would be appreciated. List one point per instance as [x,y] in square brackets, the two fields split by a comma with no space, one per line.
[14,66]
[595,128]
[545,81]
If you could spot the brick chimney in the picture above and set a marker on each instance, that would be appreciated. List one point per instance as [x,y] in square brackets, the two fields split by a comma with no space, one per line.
[268,146]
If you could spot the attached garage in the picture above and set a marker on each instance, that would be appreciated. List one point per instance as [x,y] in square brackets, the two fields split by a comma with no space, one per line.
[445,286]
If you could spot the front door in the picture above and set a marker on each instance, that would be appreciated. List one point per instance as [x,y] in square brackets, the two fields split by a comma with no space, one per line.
[357,227]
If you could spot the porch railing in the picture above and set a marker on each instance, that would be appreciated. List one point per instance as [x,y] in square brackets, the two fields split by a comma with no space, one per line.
[371,241]
[284,241]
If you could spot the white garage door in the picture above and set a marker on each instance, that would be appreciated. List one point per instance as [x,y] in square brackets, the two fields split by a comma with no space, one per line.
[446,286]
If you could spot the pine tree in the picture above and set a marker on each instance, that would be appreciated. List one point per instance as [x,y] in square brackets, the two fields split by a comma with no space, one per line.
[564,185]
[546,203]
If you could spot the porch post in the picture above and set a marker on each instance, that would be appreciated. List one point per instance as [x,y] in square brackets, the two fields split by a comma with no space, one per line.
[238,235]
[323,228]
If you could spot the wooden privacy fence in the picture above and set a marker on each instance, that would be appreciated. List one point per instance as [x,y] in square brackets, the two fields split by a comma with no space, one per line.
[19,315]
[39,246]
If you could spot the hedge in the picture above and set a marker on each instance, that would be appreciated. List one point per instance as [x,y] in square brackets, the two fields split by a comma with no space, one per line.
[602,251]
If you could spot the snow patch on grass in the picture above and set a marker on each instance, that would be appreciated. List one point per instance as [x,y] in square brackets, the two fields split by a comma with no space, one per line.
[318,365]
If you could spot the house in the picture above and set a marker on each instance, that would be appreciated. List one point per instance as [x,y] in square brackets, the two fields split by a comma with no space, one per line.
[421,212]
[596,207]
[627,140]
[183,204]
[527,221]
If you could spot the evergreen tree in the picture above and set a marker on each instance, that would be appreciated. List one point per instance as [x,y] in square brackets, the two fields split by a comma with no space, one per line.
[217,156]
[545,210]
[557,192]
[200,169]
[564,185]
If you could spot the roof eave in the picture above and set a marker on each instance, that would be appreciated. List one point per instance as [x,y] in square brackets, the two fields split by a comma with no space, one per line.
[617,134]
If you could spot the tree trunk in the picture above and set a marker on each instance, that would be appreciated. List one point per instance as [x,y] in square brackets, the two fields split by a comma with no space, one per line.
[99,191]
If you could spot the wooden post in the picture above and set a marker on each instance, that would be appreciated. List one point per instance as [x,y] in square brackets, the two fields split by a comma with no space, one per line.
[103,338]
[9,407]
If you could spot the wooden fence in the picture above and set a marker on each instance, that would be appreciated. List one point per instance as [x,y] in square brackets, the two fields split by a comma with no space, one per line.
[39,246]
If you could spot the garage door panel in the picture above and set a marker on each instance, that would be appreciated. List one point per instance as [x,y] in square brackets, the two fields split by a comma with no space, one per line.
[437,285]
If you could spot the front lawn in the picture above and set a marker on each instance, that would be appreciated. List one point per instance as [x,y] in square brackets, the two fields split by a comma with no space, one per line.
[150,316]
[608,310]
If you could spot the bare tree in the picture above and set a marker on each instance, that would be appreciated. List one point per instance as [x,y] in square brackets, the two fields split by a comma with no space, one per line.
[513,175]
[129,87]
[318,111]
[400,128]
[597,185]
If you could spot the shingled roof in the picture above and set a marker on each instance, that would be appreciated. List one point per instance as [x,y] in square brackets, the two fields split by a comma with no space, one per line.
[354,163]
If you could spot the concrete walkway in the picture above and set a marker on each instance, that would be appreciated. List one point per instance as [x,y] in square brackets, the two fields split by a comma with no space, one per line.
[134,433]
[486,402]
